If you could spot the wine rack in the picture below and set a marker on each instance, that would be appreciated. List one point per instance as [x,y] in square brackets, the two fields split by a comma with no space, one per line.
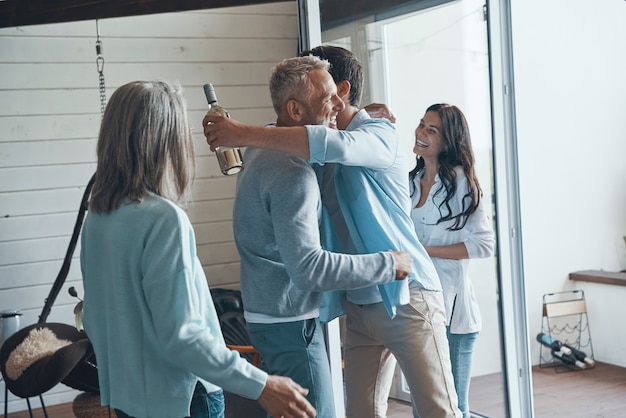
[565,319]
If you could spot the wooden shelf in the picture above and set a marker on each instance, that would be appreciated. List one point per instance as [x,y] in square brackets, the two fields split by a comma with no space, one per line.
[599,276]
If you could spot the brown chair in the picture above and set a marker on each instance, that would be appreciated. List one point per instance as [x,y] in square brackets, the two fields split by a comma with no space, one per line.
[229,307]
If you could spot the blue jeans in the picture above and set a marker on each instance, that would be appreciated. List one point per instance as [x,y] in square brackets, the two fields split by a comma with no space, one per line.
[297,350]
[203,404]
[461,349]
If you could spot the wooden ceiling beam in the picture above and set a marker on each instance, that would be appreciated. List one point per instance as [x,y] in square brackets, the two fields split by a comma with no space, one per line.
[35,12]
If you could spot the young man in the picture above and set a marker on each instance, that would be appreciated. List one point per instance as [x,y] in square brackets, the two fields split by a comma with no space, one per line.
[276,225]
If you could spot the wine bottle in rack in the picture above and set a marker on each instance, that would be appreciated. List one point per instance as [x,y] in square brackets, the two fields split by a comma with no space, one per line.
[229,159]
[581,355]
[548,341]
[563,352]
[566,356]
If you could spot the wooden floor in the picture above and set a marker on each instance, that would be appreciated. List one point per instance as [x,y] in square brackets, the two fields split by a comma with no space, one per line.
[595,393]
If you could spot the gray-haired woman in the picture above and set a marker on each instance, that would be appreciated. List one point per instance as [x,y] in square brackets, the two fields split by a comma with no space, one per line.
[148,310]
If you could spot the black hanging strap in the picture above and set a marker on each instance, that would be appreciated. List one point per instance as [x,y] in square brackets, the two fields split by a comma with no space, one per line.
[65,268]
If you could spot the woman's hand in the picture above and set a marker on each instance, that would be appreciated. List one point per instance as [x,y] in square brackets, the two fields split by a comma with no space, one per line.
[284,398]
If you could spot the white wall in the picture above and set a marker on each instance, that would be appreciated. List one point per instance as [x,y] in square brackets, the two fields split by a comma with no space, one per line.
[569,61]
[49,121]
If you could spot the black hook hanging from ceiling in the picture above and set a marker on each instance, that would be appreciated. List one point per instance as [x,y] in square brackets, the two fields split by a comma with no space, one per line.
[100,67]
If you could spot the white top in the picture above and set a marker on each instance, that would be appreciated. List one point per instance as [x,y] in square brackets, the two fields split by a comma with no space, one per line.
[463,313]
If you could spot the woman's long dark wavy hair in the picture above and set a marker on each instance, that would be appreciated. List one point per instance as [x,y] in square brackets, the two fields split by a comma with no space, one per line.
[457,151]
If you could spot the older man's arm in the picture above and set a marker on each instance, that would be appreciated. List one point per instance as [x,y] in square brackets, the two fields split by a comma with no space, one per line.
[222,131]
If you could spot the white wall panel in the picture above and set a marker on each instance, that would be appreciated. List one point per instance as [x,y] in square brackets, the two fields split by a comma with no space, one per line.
[223,275]
[218,253]
[215,188]
[215,231]
[31,274]
[39,202]
[18,154]
[211,210]
[50,102]
[34,226]
[31,251]
[46,177]
[40,127]
[83,75]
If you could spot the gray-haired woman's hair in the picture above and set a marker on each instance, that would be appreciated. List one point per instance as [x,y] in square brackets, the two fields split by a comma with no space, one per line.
[144,145]
[289,79]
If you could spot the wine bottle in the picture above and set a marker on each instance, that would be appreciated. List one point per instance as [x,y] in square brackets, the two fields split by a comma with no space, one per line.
[548,341]
[229,159]
[580,355]
[564,354]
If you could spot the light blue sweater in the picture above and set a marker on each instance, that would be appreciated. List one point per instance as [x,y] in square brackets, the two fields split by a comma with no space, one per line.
[149,313]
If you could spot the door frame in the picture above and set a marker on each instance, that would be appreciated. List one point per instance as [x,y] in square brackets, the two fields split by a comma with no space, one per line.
[515,342]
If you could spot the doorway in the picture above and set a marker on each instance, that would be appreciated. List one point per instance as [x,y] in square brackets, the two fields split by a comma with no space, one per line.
[414,55]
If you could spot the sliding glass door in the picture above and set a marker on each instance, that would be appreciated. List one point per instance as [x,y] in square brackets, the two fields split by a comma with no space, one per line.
[416,54]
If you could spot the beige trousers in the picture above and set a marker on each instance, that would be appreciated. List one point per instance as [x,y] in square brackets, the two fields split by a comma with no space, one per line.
[416,337]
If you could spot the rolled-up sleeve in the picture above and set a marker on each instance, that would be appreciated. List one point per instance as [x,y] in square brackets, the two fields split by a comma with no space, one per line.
[372,145]
[480,241]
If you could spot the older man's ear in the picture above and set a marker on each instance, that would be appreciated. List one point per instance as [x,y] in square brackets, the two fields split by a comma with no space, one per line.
[294,110]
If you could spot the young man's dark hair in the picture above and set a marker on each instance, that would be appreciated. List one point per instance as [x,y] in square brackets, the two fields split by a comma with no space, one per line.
[344,65]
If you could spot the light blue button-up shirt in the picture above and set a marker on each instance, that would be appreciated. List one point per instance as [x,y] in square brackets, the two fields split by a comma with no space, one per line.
[371,185]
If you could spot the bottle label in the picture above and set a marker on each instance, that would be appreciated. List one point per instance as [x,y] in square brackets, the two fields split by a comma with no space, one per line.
[230,160]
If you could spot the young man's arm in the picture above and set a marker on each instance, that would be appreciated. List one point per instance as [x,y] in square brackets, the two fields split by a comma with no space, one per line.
[362,148]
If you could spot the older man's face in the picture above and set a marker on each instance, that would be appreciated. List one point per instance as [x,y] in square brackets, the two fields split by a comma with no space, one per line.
[324,103]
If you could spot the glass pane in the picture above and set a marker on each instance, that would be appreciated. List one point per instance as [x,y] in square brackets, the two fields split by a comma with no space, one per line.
[415,59]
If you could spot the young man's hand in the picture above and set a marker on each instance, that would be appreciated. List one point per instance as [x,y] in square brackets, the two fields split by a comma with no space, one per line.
[380,111]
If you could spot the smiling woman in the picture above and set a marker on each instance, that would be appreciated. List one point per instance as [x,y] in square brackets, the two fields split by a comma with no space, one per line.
[451,221]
